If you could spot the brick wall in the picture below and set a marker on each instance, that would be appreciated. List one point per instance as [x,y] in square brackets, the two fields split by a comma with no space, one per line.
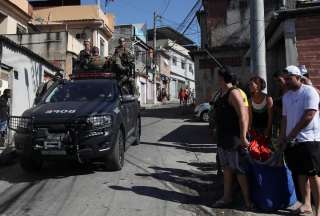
[308,45]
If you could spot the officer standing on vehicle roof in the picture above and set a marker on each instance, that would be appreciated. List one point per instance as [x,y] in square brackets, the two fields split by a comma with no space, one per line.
[124,65]
[85,54]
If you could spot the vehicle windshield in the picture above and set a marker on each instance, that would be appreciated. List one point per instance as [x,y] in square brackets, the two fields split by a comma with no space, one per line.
[76,91]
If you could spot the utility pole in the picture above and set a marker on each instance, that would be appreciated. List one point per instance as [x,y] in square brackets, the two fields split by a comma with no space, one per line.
[257,39]
[155,57]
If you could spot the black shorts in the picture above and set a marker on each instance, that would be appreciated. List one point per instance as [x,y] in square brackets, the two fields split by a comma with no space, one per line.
[304,158]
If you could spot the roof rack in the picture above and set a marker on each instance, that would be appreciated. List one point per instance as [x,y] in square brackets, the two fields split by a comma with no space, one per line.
[92,75]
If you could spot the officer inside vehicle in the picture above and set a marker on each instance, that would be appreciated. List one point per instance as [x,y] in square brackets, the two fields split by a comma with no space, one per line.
[46,85]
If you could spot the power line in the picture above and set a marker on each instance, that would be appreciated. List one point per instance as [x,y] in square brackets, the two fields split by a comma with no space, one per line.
[166,7]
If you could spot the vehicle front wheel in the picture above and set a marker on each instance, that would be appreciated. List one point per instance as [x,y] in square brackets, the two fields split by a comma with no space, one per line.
[115,159]
[30,163]
[205,116]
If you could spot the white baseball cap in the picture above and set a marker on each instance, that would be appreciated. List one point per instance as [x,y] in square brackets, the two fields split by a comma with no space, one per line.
[292,70]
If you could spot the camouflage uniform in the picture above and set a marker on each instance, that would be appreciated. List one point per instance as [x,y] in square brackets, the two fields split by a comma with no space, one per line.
[84,58]
[124,67]
[97,63]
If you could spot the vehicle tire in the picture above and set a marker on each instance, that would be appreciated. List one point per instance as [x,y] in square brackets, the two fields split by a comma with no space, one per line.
[30,162]
[115,159]
[204,116]
[137,132]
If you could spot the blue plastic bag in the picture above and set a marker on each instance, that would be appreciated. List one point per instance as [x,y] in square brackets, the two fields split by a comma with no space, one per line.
[272,188]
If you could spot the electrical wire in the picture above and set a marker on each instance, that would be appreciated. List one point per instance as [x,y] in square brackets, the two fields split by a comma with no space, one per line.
[166,7]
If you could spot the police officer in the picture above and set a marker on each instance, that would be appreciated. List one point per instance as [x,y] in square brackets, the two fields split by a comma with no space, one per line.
[97,62]
[124,63]
[49,81]
[85,54]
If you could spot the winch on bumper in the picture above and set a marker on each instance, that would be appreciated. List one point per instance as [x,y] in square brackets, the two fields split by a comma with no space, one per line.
[83,139]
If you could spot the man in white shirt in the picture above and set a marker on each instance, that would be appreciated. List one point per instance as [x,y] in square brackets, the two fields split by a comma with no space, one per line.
[300,136]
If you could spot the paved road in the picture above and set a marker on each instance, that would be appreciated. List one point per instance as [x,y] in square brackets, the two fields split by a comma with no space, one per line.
[171,173]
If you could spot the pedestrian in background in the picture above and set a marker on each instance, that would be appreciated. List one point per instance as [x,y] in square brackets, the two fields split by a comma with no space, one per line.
[186,96]
[300,137]
[261,106]
[4,114]
[232,123]
[181,95]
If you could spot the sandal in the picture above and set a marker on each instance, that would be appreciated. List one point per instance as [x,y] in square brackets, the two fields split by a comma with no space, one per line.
[249,208]
[221,204]
[302,213]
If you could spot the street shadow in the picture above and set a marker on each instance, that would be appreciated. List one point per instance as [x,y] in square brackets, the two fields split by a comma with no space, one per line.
[169,113]
[161,194]
[192,134]
[194,188]
[15,174]
[208,148]
[206,188]
[202,166]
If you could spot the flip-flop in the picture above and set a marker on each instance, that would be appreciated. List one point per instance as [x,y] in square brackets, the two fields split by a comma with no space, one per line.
[221,204]
[302,213]
[249,208]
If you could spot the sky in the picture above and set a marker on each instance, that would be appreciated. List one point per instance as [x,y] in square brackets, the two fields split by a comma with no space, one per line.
[173,13]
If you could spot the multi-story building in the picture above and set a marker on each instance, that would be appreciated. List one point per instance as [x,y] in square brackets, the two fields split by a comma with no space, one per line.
[181,65]
[63,30]
[293,38]
[292,35]
[135,36]
[15,16]
[225,34]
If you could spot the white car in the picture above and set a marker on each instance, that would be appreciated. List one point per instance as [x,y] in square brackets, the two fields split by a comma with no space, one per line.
[202,112]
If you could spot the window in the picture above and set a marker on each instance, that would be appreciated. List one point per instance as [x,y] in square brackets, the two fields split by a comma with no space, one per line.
[21,29]
[81,90]
[174,60]
[190,68]
[183,65]
[102,47]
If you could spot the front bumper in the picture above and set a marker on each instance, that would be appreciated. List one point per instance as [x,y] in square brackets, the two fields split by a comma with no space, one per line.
[73,144]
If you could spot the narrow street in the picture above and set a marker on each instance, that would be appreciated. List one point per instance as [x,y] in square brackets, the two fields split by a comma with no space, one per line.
[172,172]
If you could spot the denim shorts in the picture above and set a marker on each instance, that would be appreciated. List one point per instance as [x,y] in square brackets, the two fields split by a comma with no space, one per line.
[237,160]
[3,126]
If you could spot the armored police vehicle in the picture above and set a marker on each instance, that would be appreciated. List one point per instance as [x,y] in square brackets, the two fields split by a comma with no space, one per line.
[89,118]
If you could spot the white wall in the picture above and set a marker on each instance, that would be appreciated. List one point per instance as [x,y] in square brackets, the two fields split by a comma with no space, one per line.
[9,26]
[30,75]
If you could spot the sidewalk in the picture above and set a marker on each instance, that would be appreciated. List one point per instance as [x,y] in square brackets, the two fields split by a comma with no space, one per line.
[166,104]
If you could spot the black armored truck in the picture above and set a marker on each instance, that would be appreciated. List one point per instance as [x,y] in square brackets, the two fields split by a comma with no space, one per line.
[88,118]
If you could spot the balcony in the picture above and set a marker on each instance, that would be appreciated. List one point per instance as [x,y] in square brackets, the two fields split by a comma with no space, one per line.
[78,13]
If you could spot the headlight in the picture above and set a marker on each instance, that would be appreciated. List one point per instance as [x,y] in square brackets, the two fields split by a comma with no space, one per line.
[99,121]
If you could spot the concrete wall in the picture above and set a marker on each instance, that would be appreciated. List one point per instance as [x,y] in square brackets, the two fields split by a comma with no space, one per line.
[9,25]
[51,46]
[29,75]
[227,21]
